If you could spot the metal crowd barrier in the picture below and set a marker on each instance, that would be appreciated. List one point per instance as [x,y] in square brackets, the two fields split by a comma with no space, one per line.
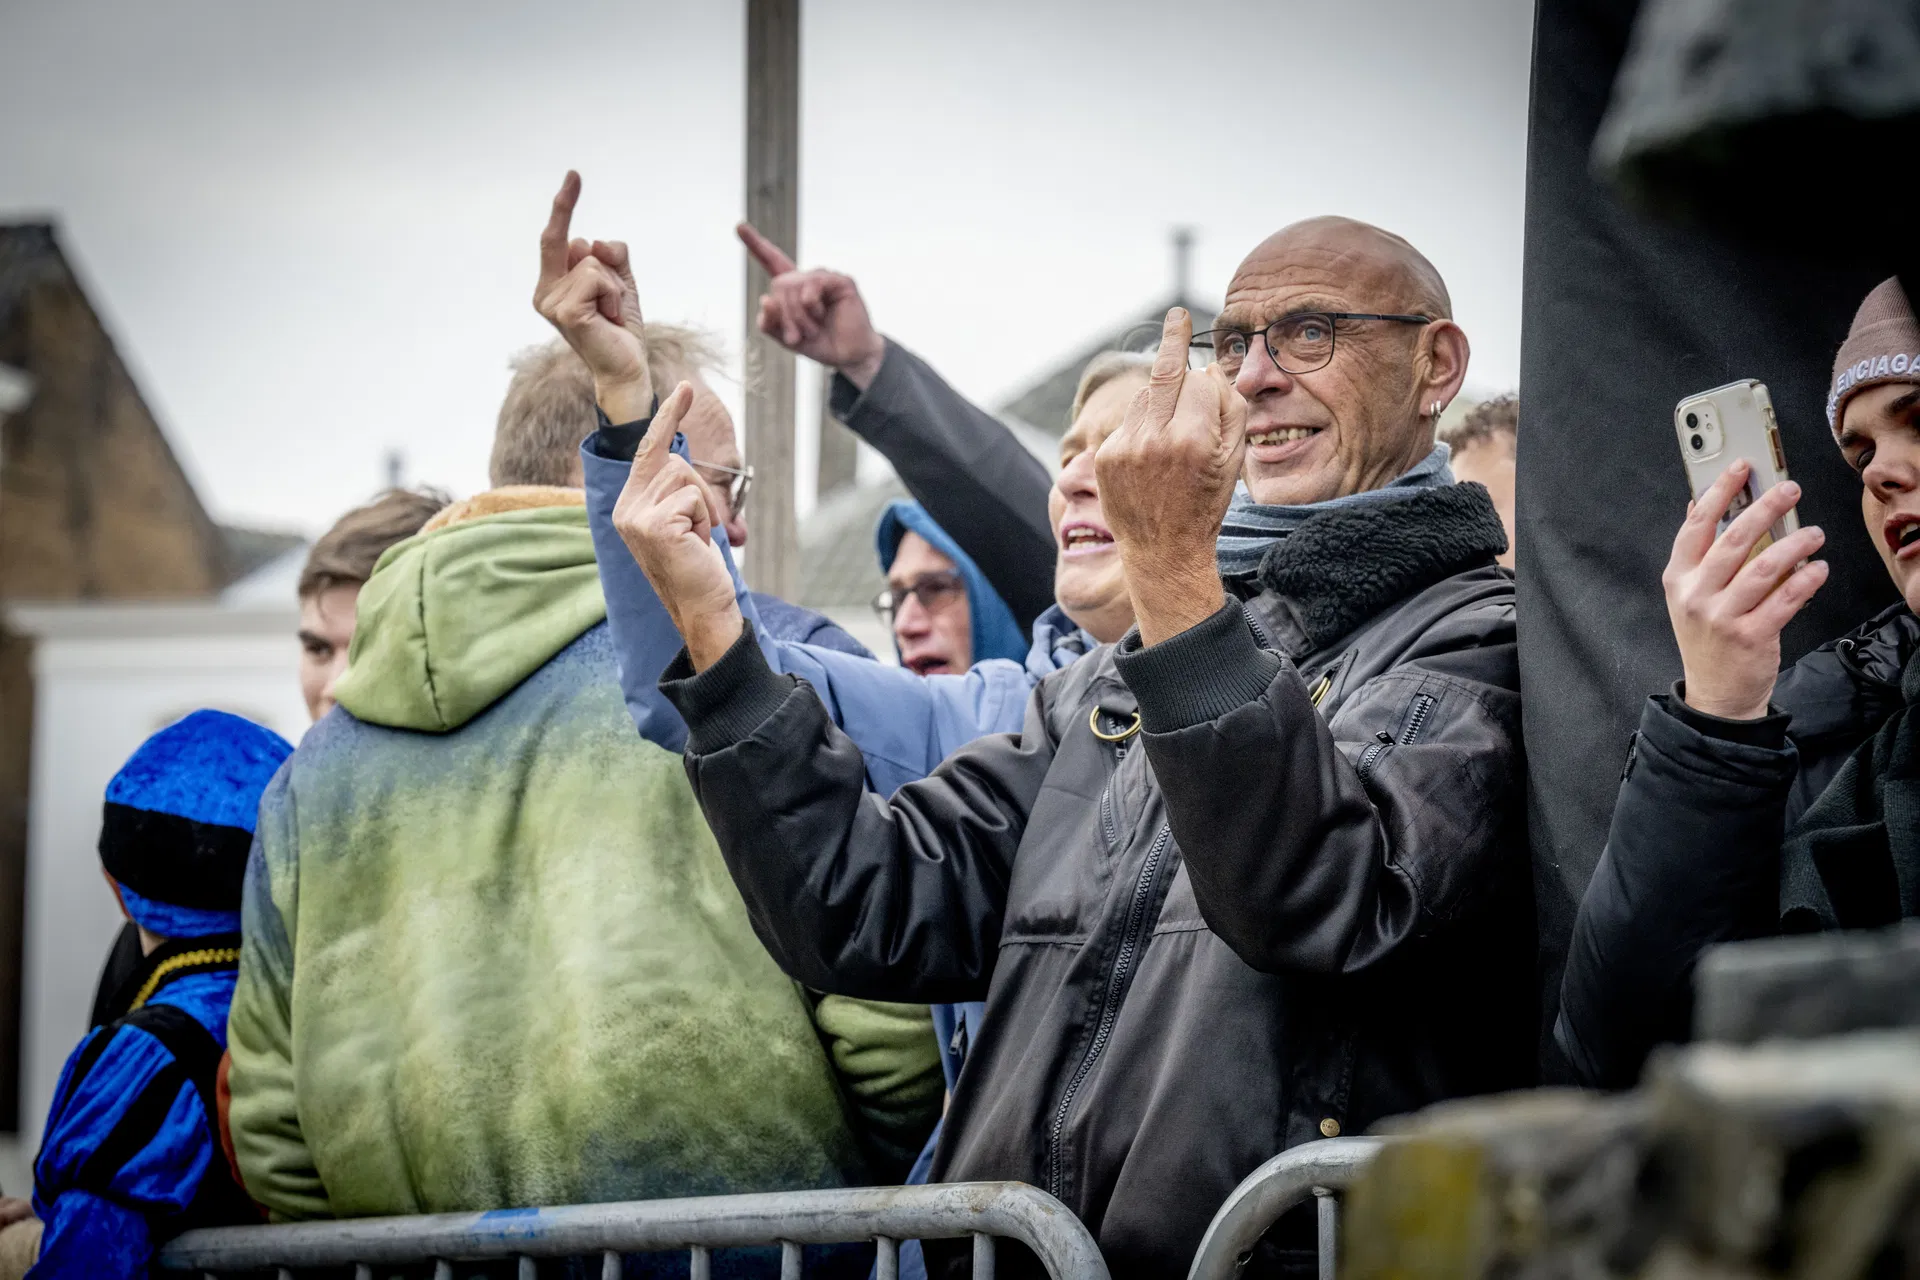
[885,1215]
[1319,1169]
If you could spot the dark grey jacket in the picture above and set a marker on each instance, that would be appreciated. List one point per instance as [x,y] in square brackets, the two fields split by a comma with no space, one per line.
[1250,924]
[1692,855]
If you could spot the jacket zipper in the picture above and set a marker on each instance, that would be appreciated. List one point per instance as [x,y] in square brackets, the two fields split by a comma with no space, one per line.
[1130,946]
[1416,723]
[1108,827]
[1422,708]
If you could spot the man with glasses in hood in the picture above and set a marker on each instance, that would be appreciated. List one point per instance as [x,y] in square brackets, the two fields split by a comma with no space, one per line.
[943,612]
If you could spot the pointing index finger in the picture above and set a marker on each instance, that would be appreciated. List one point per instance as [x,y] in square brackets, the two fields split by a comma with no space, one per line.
[765,252]
[553,240]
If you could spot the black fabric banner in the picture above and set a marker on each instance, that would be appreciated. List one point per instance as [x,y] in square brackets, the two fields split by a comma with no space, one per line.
[1622,317]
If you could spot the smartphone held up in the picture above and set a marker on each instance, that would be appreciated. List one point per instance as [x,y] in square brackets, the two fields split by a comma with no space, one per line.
[1720,427]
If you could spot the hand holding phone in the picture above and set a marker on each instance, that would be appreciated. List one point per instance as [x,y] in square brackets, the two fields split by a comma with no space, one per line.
[1728,602]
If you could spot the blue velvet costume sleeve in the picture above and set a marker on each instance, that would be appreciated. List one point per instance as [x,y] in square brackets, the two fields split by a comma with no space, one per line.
[126,1146]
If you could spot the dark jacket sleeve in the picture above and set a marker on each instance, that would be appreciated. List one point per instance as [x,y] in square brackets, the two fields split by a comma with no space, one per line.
[966,468]
[1323,847]
[1692,858]
[897,898]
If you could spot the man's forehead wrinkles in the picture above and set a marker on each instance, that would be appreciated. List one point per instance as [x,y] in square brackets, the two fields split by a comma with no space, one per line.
[1262,305]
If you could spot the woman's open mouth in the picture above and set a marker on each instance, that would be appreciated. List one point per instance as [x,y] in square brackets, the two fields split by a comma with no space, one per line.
[1079,538]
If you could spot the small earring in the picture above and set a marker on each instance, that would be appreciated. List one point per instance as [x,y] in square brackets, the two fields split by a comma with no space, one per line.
[1438,409]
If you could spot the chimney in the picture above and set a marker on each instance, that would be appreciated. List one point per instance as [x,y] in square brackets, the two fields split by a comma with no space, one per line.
[1182,263]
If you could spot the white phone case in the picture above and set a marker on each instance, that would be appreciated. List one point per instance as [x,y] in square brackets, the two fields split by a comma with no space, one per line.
[1727,423]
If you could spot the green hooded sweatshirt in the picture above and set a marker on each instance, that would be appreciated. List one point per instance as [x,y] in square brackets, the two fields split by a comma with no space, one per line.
[492,955]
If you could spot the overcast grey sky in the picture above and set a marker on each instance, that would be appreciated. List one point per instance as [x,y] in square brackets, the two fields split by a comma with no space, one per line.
[311,227]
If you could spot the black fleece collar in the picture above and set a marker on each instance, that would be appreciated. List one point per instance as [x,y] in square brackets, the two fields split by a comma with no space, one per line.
[1339,569]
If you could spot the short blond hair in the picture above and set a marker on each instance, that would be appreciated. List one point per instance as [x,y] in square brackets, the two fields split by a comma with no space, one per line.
[549,407]
[344,555]
[1101,370]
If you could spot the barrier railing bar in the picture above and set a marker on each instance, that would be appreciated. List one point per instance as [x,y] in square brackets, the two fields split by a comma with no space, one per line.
[789,1261]
[610,1266]
[982,1256]
[1329,1225]
[1329,1165]
[886,1258]
[940,1212]
[700,1265]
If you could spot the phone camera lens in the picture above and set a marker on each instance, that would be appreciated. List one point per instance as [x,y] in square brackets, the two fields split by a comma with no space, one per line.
[1697,443]
[1693,420]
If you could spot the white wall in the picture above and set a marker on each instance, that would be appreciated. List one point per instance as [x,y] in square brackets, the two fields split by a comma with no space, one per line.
[105,677]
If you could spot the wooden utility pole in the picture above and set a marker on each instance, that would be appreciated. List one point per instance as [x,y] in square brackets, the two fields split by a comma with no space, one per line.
[839,449]
[773,189]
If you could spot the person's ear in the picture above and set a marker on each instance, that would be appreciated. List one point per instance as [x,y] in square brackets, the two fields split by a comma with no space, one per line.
[1442,362]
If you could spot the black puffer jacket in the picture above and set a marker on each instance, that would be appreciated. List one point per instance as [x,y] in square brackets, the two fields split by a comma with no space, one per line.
[1692,856]
[1248,925]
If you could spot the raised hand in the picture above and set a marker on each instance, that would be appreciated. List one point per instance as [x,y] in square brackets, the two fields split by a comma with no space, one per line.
[664,518]
[817,314]
[587,292]
[1728,610]
[1166,478]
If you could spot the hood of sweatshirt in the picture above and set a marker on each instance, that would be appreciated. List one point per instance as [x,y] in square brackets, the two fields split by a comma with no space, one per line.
[455,617]
[995,633]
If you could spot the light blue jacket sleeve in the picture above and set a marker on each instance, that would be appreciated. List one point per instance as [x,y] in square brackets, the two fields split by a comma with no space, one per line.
[904,724]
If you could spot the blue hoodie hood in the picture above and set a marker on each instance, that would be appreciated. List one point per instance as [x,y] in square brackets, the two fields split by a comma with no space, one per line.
[995,634]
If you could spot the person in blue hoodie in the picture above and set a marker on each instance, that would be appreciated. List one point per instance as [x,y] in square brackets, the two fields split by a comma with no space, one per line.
[943,612]
[945,616]
[132,1152]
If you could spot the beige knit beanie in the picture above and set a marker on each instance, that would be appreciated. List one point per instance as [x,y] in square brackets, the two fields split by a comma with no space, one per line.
[1882,346]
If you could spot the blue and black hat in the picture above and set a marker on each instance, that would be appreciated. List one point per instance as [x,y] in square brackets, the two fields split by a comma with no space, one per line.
[179,822]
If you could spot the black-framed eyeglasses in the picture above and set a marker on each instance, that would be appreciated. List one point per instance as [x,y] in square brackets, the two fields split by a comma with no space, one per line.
[739,485]
[1298,343]
[935,591]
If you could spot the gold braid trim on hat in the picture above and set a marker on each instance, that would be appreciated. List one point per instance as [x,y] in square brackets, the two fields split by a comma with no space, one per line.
[185,960]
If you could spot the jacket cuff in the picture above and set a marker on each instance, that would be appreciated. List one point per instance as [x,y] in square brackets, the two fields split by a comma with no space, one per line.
[1206,671]
[728,701]
[1696,751]
[618,441]
[1768,732]
[845,401]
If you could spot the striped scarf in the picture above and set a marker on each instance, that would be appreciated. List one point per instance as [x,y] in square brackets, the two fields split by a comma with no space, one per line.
[1251,527]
